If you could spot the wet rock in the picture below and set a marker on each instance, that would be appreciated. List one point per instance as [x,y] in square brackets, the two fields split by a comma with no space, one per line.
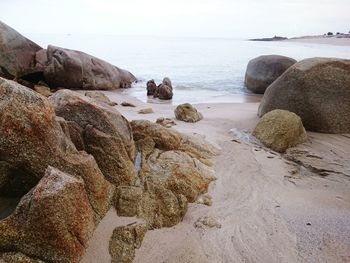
[164,92]
[264,70]
[124,241]
[166,81]
[16,53]
[186,112]
[151,87]
[280,130]
[77,70]
[99,96]
[53,221]
[317,90]
[107,134]
[146,111]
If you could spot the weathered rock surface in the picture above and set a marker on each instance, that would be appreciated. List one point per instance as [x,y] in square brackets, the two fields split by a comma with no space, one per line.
[13,257]
[207,221]
[280,130]
[151,87]
[186,112]
[174,170]
[77,70]
[99,96]
[264,70]
[166,122]
[17,53]
[52,222]
[31,139]
[124,241]
[43,90]
[166,81]
[106,133]
[317,90]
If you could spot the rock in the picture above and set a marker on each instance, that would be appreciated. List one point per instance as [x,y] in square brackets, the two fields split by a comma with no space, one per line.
[31,139]
[52,222]
[146,111]
[264,70]
[174,170]
[13,257]
[45,91]
[280,130]
[166,81]
[127,200]
[74,132]
[317,90]
[165,122]
[151,87]
[205,200]
[124,241]
[164,92]
[77,70]
[127,104]
[99,96]
[207,221]
[106,133]
[16,53]
[186,112]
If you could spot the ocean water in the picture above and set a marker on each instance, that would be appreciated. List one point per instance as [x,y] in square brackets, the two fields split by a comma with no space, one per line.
[201,69]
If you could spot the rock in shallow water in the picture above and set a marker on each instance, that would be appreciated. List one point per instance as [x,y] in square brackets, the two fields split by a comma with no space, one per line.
[317,90]
[280,130]
[264,70]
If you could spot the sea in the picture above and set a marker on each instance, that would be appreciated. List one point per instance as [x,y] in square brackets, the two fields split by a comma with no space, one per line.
[202,70]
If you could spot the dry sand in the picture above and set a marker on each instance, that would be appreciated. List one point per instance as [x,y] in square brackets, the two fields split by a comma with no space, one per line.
[270,209]
[337,41]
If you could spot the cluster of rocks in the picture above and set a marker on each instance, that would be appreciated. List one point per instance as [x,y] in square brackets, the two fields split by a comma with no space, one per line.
[69,157]
[29,64]
[163,91]
[313,93]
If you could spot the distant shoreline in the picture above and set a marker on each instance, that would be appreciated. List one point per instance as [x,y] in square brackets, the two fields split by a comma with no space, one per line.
[336,40]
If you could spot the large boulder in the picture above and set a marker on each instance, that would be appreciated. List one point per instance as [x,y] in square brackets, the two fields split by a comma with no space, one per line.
[53,222]
[317,90]
[264,70]
[106,134]
[73,69]
[151,87]
[164,92]
[280,130]
[186,112]
[31,139]
[17,53]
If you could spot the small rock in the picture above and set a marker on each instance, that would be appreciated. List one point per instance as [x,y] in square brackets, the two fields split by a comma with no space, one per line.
[43,90]
[127,104]
[186,112]
[166,122]
[207,221]
[280,130]
[206,200]
[146,111]
[151,87]
[124,241]
[99,96]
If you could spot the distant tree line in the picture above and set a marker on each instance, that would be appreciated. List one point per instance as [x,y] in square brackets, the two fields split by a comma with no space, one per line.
[331,33]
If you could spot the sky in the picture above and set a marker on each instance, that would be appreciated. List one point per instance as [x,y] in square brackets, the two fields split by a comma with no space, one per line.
[186,18]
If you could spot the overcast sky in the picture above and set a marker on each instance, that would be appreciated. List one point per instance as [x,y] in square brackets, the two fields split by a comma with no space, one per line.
[197,18]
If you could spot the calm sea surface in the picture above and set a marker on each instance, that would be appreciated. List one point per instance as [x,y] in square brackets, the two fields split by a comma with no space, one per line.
[202,70]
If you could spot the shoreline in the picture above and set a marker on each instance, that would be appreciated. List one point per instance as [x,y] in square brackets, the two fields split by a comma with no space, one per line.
[323,40]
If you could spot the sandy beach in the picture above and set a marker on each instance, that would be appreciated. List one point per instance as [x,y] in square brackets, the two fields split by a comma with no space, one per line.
[336,41]
[270,209]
